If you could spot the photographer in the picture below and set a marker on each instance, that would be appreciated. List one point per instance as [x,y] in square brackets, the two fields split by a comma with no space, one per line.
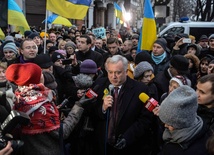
[7,150]
[63,75]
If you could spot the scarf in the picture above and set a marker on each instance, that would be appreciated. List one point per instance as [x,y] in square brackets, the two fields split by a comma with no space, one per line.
[43,113]
[182,136]
[158,59]
[24,61]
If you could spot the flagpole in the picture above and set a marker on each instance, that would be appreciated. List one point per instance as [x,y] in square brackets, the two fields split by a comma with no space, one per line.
[46,23]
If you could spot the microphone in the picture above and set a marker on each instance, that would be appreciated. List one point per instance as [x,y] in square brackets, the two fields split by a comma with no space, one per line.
[111,88]
[150,103]
[91,92]
[83,81]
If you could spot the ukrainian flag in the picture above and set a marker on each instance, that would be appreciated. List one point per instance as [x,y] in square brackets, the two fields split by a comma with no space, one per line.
[1,34]
[73,9]
[148,32]
[16,16]
[118,11]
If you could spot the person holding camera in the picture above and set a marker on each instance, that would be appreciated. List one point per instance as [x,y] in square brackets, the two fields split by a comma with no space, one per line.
[182,40]
[7,150]
[63,75]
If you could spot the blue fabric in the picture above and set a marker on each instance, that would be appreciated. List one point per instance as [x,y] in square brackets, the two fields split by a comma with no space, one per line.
[82,2]
[158,59]
[51,18]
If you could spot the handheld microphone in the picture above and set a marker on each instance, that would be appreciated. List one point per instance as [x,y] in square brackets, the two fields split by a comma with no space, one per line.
[150,103]
[83,81]
[111,88]
[91,92]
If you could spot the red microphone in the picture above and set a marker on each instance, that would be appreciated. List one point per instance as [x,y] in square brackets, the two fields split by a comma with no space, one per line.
[150,103]
[90,93]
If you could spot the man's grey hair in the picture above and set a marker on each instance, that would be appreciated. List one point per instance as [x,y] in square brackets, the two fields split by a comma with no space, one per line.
[115,59]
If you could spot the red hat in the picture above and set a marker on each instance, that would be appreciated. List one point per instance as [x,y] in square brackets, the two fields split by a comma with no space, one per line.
[24,74]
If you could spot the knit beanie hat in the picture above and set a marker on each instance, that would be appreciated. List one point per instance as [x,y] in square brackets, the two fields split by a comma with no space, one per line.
[70,44]
[11,46]
[24,74]
[162,42]
[181,80]
[56,56]
[143,56]
[43,60]
[179,108]
[180,63]
[203,37]
[9,38]
[141,68]
[211,36]
[27,33]
[88,66]
[33,35]
[192,45]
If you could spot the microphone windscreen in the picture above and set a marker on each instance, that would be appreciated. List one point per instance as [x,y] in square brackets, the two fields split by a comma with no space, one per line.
[83,81]
[143,97]
[111,88]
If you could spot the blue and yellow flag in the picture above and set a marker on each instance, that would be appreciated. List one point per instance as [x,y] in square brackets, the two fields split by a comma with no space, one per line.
[1,34]
[72,9]
[118,11]
[56,19]
[148,32]
[16,16]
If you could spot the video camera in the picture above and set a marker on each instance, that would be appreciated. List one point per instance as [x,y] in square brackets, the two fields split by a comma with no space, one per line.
[12,121]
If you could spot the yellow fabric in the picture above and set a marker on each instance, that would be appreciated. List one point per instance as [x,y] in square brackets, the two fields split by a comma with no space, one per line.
[67,9]
[18,19]
[62,21]
[149,34]
[2,36]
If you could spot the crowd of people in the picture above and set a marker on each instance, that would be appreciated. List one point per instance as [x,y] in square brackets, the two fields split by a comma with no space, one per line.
[81,94]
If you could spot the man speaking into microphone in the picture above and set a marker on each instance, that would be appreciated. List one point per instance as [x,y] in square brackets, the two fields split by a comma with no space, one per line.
[123,125]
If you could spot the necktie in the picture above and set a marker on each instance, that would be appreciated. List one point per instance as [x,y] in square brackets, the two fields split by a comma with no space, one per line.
[113,118]
[115,102]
